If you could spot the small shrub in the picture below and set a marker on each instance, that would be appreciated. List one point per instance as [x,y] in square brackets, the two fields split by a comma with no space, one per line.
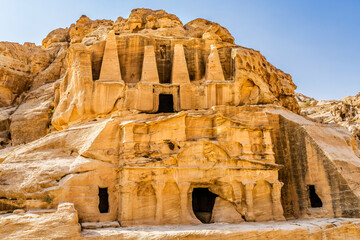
[48,199]
[307,103]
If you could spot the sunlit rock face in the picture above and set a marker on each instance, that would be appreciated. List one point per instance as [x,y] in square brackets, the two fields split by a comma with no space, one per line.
[146,121]
[344,112]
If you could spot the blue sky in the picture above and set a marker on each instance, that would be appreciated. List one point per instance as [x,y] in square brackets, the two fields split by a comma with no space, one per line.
[316,41]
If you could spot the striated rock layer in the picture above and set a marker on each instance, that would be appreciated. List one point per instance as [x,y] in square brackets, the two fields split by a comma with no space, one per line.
[146,121]
[344,112]
[24,67]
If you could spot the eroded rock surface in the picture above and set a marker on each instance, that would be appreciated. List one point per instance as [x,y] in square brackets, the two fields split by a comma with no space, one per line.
[24,68]
[344,112]
[59,224]
[146,121]
[31,120]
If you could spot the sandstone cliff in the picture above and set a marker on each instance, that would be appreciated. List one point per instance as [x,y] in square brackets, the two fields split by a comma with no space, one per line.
[344,112]
[24,68]
[133,122]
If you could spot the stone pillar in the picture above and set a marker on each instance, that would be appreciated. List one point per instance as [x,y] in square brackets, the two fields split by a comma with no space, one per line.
[149,73]
[146,98]
[126,204]
[110,66]
[238,196]
[220,94]
[159,187]
[249,215]
[211,95]
[278,212]
[179,73]
[186,216]
[228,92]
[213,66]
[110,86]
[244,139]
[267,136]
[85,79]
[186,96]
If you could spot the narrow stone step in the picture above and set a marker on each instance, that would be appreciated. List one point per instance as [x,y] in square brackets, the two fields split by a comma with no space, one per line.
[41,211]
[94,225]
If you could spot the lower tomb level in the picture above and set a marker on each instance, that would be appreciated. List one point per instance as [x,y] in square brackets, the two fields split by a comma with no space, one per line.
[225,165]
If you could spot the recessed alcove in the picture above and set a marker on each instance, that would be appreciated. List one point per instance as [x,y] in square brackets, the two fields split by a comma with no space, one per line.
[166,103]
[203,203]
[315,200]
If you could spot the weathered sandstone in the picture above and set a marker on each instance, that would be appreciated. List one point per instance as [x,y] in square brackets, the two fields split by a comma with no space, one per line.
[146,121]
[344,112]
[59,35]
[59,224]
[36,108]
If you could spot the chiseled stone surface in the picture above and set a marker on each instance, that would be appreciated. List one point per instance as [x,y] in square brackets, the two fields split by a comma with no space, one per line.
[24,68]
[151,164]
[110,67]
[146,121]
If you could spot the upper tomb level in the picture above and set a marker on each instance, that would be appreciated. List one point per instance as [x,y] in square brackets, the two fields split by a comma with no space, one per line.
[140,67]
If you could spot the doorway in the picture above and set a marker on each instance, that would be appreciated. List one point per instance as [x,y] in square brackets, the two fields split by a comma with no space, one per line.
[315,200]
[203,203]
[166,103]
[103,200]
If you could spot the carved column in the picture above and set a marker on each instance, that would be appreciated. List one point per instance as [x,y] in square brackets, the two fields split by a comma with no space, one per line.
[278,212]
[186,217]
[211,95]
[238,195]
[249,201]
[159,187]
[126,204]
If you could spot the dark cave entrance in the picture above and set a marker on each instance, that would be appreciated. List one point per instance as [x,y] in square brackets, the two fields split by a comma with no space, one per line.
[203,203]
[166,103]
[315,201]
[103,200]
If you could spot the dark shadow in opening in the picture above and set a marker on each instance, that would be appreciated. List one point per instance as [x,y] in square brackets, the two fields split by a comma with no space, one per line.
[314,198]
[166,103]
[103,200]
[163,51]
[203,203]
